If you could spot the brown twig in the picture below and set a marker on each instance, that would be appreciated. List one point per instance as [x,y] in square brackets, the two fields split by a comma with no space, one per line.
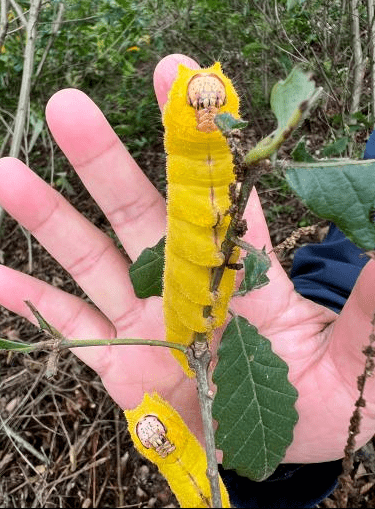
[4,4]
[199,357]
[346,482]
[290,242]
[118,460]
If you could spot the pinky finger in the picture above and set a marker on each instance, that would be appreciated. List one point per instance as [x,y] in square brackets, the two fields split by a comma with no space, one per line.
[70,315]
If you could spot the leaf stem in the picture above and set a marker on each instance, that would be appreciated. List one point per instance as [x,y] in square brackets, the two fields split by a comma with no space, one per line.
[63,343]
[76,343]
[199,357]
[59,342]
[251,174]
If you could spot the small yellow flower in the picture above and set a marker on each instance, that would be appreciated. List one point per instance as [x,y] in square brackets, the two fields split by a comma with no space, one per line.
[133,48]
[146,39]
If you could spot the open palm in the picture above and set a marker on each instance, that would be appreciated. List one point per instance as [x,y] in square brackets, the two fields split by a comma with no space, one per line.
[322,349]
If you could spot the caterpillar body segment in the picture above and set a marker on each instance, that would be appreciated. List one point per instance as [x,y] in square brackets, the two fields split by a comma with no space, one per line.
[199,172]
[160,434]
[203,213]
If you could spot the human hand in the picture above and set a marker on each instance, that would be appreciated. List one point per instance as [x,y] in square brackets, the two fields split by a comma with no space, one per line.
[323,351]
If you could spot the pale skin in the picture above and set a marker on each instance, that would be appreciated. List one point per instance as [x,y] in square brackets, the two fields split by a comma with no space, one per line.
[322,349]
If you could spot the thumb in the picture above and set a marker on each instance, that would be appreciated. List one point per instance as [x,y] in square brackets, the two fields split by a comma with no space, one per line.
[353,327]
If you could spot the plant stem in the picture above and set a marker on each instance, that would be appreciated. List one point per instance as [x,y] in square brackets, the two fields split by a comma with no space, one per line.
[346,481]
[199,357]
[76,343]
[61,343]
[28,66]
[55,29]
[3,21]
[22,442]
[252,173]
[359,62]
[199,354]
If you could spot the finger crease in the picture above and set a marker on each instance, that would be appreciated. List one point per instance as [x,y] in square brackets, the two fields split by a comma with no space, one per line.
[87,261]
[131,212]
[90,160]
[129,319]
[34,230]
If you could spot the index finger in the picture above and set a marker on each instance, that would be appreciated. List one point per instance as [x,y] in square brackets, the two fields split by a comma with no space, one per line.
[132,204]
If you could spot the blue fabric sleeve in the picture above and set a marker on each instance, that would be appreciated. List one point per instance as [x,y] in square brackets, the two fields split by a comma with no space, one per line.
[324,273]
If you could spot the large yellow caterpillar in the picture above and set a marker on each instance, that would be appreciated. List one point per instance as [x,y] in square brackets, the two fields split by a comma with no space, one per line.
[199,171]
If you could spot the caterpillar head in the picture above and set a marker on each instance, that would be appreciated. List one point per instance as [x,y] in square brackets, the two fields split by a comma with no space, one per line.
[206,94]
[152,433]
[195,98]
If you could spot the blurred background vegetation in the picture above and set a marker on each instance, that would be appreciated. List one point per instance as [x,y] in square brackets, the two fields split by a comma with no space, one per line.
[109,49]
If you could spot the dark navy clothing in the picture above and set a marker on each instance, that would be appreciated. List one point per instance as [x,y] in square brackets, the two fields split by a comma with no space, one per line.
[289,486]
[324,273]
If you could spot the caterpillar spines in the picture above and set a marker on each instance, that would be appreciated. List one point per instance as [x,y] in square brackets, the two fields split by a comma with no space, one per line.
[199,173]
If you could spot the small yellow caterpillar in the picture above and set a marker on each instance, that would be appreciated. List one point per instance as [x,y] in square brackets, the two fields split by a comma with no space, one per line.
[159,433]
[199,171]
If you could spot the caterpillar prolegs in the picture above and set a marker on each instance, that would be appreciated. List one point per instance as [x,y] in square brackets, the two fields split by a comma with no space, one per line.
[199,171]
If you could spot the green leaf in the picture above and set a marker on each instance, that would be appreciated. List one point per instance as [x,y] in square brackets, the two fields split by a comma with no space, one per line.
[291,3]
[300,153]
[367,121]
[254,403]
[336,148]
[342,192]
[291,99]
[227,122]
[146,273]
[42,322]
[256,265]
[254,47]
[5,344]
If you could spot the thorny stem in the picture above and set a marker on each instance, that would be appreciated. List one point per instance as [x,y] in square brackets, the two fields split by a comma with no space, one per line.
[199,357]
[345,479]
